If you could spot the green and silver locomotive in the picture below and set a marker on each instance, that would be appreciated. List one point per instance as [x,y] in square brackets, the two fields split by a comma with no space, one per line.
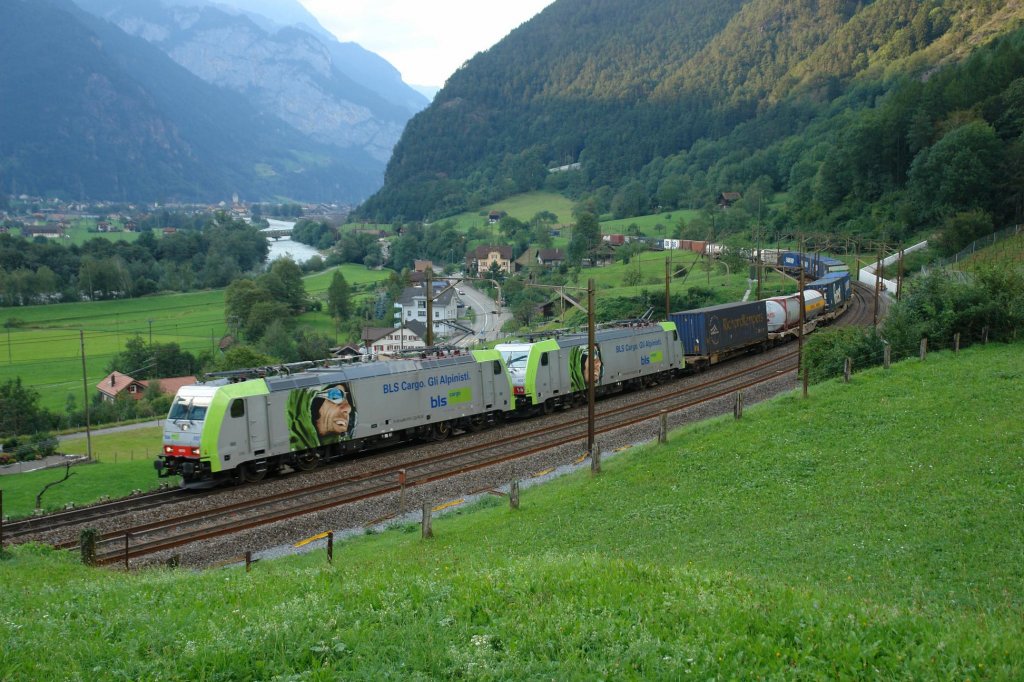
[243,428]
[552,373]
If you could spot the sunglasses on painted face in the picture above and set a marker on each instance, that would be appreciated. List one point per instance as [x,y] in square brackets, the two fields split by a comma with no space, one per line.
[334,394]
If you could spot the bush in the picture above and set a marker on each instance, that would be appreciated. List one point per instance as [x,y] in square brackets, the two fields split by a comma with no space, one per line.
[826,351]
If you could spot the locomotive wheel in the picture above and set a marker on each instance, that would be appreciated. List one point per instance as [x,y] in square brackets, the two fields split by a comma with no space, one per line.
[307,460]
[254,472]
[442,430]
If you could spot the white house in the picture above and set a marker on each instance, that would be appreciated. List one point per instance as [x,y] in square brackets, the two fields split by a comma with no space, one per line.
[411,306]
[392,341]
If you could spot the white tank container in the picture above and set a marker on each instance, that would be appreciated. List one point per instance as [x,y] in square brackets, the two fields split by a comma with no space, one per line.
[784,311]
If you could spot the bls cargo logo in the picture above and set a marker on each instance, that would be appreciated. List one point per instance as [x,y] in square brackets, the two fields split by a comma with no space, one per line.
[652,359]
[456,396]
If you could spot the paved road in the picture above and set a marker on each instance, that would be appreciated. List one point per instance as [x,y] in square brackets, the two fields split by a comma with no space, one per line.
[111,429]
[488,317]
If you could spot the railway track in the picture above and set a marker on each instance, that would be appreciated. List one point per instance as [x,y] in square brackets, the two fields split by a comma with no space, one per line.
[82,516]
[164,535]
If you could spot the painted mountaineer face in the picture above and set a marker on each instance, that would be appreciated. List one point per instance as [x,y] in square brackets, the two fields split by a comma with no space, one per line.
[597,367]
[332,411]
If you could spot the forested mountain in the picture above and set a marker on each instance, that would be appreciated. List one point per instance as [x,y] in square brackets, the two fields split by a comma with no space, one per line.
[91,112]
[847,105]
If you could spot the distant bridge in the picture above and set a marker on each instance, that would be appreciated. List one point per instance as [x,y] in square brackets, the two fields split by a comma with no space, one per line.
[276,234]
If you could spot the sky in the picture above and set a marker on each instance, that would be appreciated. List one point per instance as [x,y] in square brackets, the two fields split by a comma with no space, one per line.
[426,40]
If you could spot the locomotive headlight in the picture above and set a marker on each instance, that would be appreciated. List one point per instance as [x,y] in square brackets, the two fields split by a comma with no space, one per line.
[168,450]
[184,427]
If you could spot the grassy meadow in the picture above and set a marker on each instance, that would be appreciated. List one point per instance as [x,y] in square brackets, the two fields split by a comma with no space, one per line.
[44,343]
[872,531]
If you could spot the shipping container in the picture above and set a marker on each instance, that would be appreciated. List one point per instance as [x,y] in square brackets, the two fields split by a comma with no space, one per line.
[835,287]
[721,329]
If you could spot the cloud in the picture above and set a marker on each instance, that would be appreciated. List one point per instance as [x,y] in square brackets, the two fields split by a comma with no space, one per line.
[425,41]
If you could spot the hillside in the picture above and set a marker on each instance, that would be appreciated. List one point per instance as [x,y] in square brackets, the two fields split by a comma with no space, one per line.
[795,543]
[669,105]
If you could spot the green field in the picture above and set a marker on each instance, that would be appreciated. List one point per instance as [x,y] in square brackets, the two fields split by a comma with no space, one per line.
[872,531]
[44,345]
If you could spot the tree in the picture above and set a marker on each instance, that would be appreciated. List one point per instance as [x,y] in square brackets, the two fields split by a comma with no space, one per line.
[241,356]
[586,236]
[278,342]
[284,282]
[19,409]
[339,297]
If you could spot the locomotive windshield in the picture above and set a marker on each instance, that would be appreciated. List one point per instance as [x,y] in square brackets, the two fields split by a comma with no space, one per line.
[515,360]
[192,409]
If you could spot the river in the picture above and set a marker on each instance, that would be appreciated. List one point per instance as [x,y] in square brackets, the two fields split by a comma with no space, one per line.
[300,253]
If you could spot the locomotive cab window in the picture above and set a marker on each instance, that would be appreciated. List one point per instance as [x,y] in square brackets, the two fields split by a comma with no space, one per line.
[237,408]
[544,359]
[497,367]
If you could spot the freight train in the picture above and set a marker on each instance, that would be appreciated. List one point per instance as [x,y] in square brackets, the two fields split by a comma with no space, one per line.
[241,426]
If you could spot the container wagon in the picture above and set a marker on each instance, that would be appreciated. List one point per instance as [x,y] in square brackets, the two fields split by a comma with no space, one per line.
[712,334]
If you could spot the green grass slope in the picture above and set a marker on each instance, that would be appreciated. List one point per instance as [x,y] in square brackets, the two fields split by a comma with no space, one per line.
[44,345]
[872,531]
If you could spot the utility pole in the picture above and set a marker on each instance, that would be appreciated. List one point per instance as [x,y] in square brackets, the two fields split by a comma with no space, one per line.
[899,277]
[85,391]
[430,310]
[878,284]
[668,281]
[759,263]
[595,457]
[800,334]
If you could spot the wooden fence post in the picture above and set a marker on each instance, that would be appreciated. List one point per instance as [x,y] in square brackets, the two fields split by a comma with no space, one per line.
[847,368]
[428,532]
[956,343]
[401,491]
[924,348]
[248,561]
[737,408]
[127,538]
[513,495]
[87,541]
[330,546]
[595,460]
[887,356]
[984,334]
[663,427]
